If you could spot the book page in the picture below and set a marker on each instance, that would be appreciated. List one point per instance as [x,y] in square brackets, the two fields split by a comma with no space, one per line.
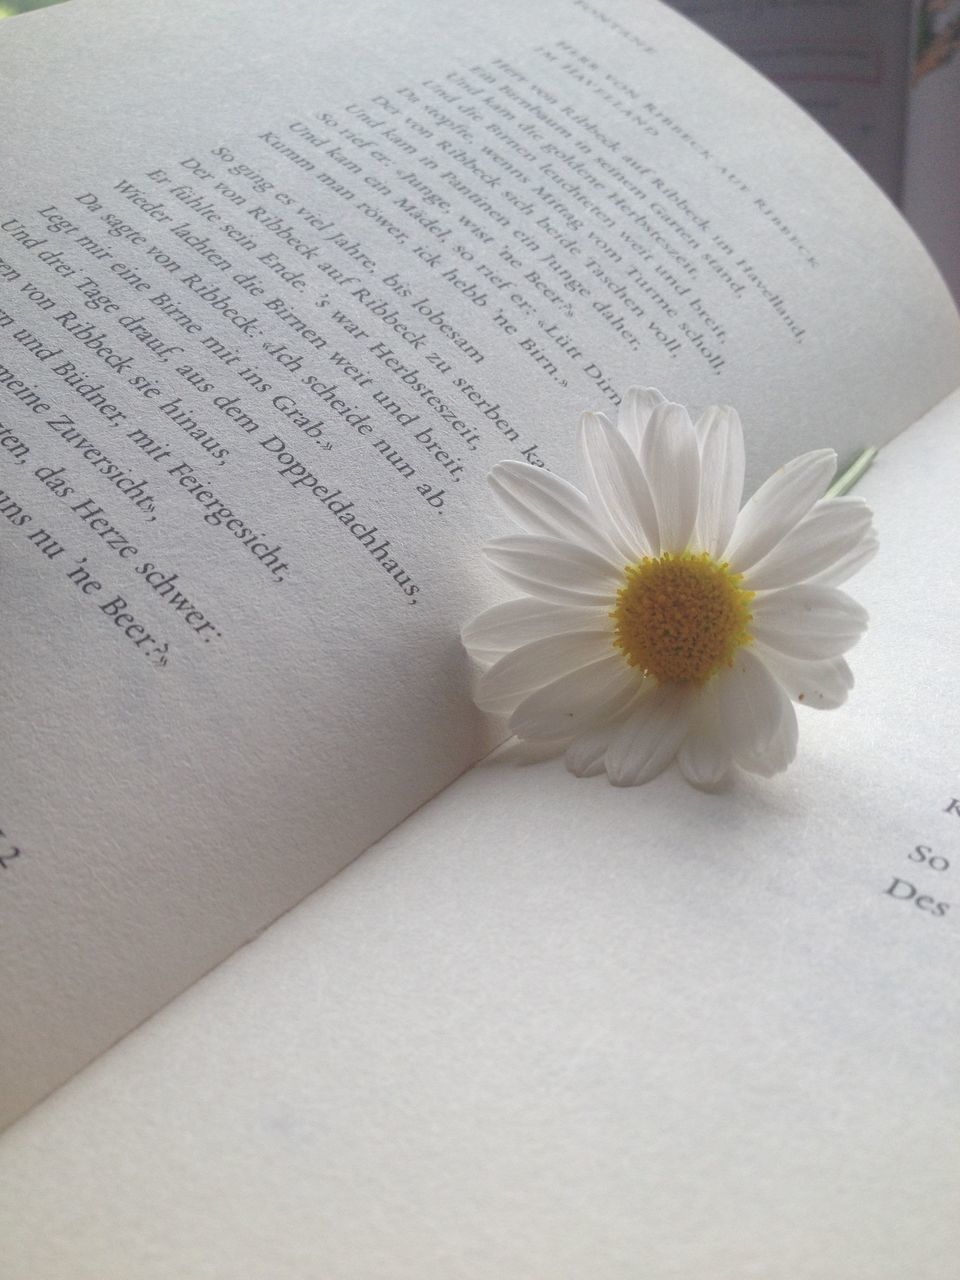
[553,1029]
[847,64]
[279,284]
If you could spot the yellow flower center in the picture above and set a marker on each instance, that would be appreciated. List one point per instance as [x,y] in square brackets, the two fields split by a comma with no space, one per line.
[681,617]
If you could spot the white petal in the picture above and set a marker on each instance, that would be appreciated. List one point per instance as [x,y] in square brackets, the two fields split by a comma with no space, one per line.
[671,463]
[649,738]
[750,705]
[533,665]
[721,476]
[779,751]
[704,755]
[808,621]
[584,756]
[616,486]
[541,502]
[823,684]
[554,569]
[635,409]
[780,503]
[834,529]
[701,421]
[849,564]
[507,626]
[578,701]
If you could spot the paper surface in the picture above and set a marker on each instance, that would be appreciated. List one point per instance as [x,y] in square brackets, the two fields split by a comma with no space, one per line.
[234,235]
[553,1029]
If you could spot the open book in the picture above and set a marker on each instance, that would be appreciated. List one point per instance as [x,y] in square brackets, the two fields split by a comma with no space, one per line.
[278,285]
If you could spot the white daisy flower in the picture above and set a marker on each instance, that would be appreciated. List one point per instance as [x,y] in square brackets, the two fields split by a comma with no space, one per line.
[659,621]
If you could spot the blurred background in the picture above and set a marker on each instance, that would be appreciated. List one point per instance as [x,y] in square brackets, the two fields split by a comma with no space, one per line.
[882,76]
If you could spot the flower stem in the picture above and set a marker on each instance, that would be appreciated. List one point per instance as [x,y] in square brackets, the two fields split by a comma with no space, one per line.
[845,482]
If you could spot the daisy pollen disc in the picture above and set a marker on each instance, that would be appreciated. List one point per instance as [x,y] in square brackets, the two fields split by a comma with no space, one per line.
[682,617]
